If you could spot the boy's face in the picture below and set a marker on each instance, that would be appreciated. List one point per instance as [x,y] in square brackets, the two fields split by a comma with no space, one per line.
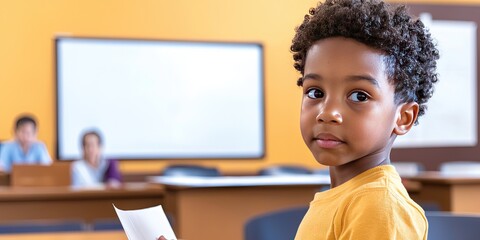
[348,110]
[26,133]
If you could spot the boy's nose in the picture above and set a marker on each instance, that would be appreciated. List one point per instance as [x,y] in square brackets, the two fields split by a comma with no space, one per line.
[329,113]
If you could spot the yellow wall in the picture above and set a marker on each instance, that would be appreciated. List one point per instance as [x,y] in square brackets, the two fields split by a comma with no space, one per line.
[27,82]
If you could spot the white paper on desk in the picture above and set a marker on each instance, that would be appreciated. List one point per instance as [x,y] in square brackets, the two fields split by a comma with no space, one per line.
[145,224]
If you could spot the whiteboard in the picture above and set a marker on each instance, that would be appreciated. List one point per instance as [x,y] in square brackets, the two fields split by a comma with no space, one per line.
[161,99]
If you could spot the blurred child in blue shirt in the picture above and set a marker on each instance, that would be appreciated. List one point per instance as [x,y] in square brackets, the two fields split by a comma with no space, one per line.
[25,148]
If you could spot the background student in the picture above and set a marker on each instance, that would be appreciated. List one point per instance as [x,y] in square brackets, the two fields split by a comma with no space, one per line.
[25,148]
[94,169]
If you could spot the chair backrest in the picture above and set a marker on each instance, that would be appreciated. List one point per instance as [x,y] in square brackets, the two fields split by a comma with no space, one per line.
[408,168]
[429,206]
[280,225]
[106,225]
[447,226]
[42,226]
[190,170]
[34,175]
[461,168]
[284,170]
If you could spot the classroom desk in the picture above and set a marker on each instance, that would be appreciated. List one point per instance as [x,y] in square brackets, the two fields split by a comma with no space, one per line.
[458,194]
[113,235]
[22,203]
[221,212]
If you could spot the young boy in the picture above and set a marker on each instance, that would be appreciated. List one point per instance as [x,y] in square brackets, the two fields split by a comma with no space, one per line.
[367,71]
[24,149]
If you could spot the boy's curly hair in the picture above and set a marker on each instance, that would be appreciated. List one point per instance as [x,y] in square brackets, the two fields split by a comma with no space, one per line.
[410,52]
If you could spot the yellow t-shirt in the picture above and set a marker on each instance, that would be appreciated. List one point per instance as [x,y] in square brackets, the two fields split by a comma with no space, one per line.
[373,206]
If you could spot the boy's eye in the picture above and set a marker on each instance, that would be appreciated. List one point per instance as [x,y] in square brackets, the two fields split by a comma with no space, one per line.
[358,96]
[315,93]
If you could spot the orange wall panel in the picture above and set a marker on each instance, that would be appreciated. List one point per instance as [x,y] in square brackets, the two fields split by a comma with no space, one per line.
[27,82]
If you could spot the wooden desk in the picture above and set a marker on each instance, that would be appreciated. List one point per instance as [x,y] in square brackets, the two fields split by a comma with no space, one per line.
[198,212]
[219,213]
[455,194]
[19,203]
[114,235]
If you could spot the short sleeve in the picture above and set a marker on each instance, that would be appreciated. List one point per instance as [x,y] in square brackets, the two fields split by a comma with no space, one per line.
[81,175]
[5,159]
[44,155]
[379,214]
[76,178]
[113,171]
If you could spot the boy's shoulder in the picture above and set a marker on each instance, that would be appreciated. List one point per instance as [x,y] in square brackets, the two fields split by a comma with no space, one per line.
[380,189]
[377,183]
[381,209]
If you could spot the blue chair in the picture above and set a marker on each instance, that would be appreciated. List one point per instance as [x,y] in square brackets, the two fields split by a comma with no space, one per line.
[284,170]
[106,225]
[447,226]
[42,226]
[430,206]
[280,225]
[190,170]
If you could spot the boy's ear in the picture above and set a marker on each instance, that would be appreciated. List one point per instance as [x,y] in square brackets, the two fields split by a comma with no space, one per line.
[407,115]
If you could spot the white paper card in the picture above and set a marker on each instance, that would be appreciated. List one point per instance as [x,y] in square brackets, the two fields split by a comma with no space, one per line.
[145,224]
